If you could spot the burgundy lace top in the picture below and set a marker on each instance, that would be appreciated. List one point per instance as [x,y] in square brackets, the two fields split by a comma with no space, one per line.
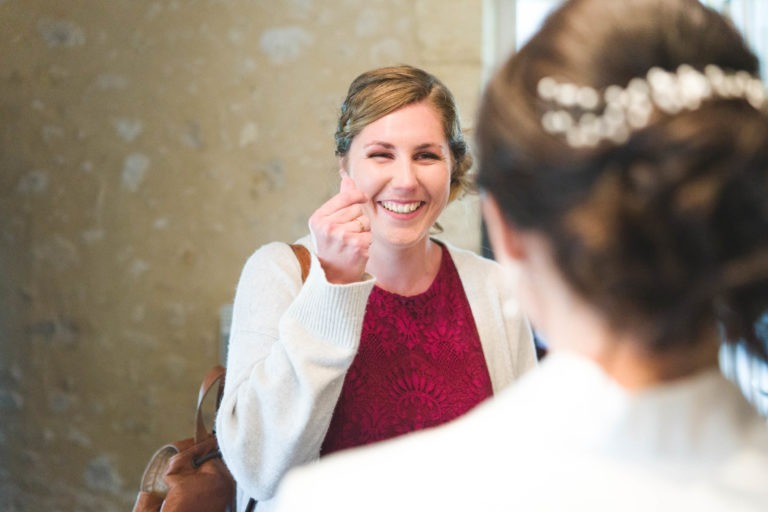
[420,364]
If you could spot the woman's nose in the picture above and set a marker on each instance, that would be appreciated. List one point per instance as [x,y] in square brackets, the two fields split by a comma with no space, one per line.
[405,174]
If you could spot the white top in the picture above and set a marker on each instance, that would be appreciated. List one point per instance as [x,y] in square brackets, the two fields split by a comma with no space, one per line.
[291,345]
[564,437]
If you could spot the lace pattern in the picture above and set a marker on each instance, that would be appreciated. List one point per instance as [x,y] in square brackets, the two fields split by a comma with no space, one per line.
[420,364]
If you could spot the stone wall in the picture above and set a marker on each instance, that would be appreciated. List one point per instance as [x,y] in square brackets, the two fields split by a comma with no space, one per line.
[146,149]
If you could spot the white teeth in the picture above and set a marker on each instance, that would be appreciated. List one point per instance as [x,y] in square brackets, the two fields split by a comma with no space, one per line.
[400,207]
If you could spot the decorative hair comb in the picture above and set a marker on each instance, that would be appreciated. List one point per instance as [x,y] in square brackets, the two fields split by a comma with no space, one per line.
[629,108]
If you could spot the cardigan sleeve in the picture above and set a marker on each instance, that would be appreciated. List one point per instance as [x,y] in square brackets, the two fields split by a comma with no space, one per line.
[290,347]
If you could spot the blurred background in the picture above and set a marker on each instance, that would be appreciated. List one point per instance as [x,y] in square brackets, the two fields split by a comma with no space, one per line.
[146,149]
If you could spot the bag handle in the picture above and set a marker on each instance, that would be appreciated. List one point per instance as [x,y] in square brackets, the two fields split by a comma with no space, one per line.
[305,259]
[214,375]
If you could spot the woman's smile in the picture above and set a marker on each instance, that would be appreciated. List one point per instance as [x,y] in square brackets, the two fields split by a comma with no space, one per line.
[401,207]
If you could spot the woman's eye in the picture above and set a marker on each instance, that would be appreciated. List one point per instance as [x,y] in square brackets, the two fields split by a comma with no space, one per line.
[427,156]
[380,155]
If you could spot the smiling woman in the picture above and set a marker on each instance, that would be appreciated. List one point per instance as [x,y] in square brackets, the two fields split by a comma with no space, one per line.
[393,330]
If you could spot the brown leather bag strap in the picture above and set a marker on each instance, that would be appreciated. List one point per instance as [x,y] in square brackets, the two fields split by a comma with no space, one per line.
[214,375]
[305,259]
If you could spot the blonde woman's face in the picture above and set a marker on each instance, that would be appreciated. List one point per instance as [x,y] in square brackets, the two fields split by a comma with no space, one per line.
[403,163]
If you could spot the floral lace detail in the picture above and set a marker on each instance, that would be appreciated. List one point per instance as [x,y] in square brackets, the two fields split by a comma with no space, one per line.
[420,364]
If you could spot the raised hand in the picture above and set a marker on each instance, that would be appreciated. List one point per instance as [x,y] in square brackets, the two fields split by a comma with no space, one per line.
[341,232]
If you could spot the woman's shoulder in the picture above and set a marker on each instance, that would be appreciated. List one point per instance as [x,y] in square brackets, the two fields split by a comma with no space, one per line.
[275,255]
[269,251]
[278,248]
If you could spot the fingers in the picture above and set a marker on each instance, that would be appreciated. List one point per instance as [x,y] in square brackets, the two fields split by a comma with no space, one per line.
[343,251]
[339,216]
[341,232]
[348,201]
[360,224]
[339,224]
[347,183]
[353,212]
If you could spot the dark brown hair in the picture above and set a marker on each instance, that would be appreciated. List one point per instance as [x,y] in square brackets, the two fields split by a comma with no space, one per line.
[666,233]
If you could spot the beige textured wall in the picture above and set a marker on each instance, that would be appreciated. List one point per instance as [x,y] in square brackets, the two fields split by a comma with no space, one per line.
[146,148]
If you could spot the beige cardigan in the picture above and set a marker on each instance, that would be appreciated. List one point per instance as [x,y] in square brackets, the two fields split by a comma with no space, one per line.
[291,345]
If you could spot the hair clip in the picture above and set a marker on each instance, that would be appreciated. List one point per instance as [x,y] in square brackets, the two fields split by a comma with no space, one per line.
[627,109]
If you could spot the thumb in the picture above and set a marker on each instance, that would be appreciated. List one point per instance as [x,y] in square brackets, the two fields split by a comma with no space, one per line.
[347,183]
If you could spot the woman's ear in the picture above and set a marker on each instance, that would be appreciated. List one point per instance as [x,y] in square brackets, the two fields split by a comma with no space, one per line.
[506,238]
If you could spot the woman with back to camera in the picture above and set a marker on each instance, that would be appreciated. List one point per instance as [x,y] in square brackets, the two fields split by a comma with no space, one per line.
[393,331]
[623,156]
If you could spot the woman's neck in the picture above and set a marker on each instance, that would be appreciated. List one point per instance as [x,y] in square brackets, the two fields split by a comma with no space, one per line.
[405,271]
[626,358]
[634,367]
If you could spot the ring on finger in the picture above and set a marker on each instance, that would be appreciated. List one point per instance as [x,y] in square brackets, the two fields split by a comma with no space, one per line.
[362,226]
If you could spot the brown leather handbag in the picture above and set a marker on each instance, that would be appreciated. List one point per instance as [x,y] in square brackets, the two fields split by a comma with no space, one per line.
[189,475]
